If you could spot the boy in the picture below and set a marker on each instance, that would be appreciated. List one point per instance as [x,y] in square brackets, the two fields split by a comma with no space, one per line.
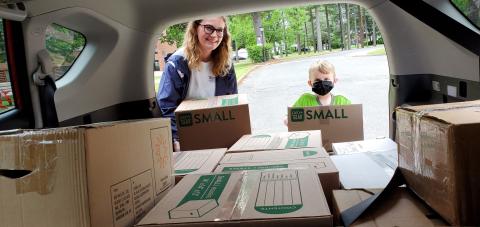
[322,79]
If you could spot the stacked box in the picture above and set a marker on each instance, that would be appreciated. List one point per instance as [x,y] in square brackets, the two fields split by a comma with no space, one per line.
[439,156]
[315,158]
[107,174]
[268,198]
[212,123]
[338,123]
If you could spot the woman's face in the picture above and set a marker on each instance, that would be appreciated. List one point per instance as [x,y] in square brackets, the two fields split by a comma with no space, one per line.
[210,33]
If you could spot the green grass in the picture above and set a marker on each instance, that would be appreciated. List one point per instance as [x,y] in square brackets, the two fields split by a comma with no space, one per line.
[377,52]
[242,68]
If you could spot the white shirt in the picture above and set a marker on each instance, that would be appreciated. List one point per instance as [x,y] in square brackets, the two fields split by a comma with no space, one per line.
[202,82]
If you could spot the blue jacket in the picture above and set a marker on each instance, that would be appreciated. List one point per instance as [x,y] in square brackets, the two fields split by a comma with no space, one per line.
[173,87]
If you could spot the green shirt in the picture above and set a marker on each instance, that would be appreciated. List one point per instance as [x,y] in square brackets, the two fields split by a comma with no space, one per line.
[309,99]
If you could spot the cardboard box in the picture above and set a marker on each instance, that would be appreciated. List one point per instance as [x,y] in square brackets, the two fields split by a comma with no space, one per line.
[362,170]
[268,198]
[317,159]
[196,161]
[381,150]
[277,141]
[201,123]
[107,174]
[439,157]
[400,209]
[337,123]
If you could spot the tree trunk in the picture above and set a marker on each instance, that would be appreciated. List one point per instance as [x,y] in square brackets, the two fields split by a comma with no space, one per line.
[361,32]
[319,30]
[299,45]
[366,26]
[341,25]
[305,38]
[356,29]
[257,24]
[285,46]
[349,41]
[374,33]
[314,38]
[329,41]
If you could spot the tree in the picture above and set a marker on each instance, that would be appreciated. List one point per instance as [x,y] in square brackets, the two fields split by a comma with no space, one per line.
[174,34]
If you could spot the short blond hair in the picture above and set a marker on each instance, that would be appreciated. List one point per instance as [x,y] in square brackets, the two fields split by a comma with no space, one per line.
[321,66]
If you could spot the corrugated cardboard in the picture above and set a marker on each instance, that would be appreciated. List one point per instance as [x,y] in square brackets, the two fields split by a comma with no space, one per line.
[217,122]
[286,159]
[439,157]
[196,161]
[400,209]
[107,174]
[276,141]
[337,123]
[363,170]
[268,198]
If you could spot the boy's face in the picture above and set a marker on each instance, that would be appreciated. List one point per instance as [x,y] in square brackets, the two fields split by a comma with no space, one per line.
[322,76]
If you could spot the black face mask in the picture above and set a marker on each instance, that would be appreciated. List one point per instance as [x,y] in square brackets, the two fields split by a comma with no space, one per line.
[322,87]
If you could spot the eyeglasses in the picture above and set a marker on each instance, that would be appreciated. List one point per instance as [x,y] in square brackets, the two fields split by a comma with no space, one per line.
[209,29]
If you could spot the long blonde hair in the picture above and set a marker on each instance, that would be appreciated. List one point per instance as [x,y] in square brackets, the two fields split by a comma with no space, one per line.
[220,56]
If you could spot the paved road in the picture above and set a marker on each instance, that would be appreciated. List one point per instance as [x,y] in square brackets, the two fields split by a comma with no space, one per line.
[363,79]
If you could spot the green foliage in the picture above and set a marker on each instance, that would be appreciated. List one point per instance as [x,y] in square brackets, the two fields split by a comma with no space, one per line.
[64,42]
[174,34]
[241,29]
[255,53]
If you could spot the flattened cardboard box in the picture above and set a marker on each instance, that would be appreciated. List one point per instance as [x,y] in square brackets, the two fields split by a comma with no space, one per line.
[337,123]
[196,161]
[371,145]
[201,122]
[280,198]
[399,209]
[278,141]
[439,157]
[315,158]
[362,170]
[107,174]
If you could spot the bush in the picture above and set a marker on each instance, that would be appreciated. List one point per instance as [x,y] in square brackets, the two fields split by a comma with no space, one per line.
[256,55]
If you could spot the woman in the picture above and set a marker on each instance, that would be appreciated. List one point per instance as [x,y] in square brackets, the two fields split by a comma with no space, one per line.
[200,69]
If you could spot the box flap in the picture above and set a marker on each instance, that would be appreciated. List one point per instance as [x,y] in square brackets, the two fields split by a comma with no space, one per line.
[197,161]
[275,141]
[288,155]
[454,113]
[213,102]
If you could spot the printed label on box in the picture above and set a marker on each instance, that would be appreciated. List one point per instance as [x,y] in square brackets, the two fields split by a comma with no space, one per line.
[131,199]
[202,198]
[279,193]
[162,158]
